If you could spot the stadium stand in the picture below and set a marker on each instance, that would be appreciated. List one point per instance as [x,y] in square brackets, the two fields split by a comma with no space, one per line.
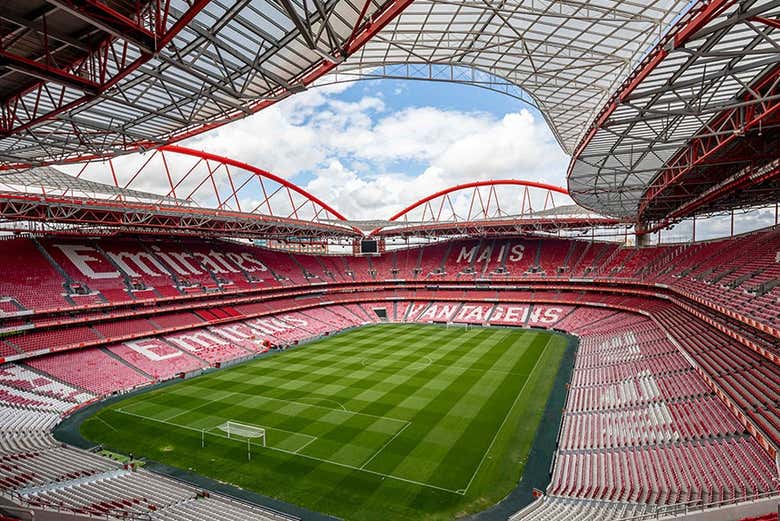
[158,359]
[92,369]
[207,346]
[669,401]
[667,109]
[25,379]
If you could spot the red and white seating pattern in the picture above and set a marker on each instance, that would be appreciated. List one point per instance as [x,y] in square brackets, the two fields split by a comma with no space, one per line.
[440,312]
[156,358]
[90,369]
[25,429]
[633,344]
[473,313]
[640,426]
[718,270]
[124,493]
[752,381]
[206,345]
[619,372]
[19,398]
[642,388]
[31,469]
[657,422]
[22,378]
[539,315]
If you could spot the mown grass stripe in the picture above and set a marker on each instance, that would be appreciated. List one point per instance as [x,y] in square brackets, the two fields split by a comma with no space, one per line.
[390,419]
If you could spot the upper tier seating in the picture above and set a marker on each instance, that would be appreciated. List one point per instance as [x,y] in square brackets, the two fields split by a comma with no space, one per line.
[52,338]
[81,272]
[28,279]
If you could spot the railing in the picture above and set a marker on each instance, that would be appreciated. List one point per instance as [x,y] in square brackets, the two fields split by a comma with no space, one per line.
[691,507]
[30,505]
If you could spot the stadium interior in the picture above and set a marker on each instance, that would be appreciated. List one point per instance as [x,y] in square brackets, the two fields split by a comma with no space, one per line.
[110,292]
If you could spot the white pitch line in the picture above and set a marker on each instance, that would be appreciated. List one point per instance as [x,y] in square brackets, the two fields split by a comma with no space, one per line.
[344,465]
[327,400]
[506,417]
[104,421]
[363,466]
[194,408]
[299,449]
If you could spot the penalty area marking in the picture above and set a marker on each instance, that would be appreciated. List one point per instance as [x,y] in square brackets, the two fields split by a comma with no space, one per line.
[363,466]
[324,399]
[294,453]
[105,422]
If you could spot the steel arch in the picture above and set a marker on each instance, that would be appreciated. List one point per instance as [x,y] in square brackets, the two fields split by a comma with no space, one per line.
[255,170]
[477,184]
[488,212]
[192,192]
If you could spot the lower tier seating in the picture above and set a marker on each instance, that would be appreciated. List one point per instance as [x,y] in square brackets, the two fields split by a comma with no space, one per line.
[642,429]
[552,508]
[641,425]
[91,369]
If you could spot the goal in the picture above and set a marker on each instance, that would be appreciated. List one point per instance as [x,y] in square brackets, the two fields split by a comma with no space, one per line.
[243,430]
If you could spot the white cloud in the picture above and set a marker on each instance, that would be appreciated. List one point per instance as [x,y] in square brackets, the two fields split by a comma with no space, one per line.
[457,147]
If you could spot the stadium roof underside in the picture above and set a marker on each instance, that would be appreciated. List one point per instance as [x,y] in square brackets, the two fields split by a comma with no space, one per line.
[696,127]
[95,78]
[49,180]
[569,56]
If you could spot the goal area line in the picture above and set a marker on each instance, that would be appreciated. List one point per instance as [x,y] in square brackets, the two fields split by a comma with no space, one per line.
[211,432]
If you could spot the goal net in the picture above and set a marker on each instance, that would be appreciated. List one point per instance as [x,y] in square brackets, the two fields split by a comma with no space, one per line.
[243,430]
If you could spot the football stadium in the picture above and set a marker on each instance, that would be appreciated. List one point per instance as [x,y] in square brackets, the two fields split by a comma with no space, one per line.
[188,334]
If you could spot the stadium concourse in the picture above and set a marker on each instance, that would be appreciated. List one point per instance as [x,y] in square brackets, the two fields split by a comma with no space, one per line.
[674,398]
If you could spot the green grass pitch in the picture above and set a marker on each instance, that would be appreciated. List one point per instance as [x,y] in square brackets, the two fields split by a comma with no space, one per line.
[395,421]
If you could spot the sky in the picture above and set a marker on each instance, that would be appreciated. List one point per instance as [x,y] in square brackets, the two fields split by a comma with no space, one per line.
[371,148]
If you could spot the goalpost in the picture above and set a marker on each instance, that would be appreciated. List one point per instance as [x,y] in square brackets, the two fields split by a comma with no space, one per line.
[243,430]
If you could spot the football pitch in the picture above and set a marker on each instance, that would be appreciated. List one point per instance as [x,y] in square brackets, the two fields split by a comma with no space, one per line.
[395,421]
